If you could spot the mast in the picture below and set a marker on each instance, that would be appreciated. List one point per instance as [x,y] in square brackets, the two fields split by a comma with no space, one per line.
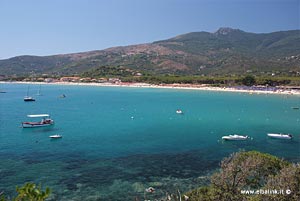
[39,91]
[27,91]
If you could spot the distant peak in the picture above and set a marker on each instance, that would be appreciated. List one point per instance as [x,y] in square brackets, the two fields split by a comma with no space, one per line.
[226,31]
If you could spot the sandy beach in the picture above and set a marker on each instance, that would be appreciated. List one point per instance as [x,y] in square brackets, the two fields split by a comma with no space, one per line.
[172,86]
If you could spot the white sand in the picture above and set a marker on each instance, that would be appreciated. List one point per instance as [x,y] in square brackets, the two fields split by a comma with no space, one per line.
[169,86]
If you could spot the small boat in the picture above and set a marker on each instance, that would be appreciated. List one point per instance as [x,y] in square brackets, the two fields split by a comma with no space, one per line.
[295,108]
[46,121]
[179,111]
[55,136]
[62,96]
[235,137]
[28,98]
[280,136]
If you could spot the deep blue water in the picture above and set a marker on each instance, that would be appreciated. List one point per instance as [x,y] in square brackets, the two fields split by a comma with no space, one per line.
[118,141]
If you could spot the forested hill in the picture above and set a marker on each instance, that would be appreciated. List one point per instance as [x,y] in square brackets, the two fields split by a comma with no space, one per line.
[226,51]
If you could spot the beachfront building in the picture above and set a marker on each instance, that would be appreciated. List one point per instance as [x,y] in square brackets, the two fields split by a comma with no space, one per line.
[102,80]
[114,80]
[86,79]
[69,79]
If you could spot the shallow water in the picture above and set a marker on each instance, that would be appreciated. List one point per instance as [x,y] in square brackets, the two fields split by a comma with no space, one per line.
[118,141]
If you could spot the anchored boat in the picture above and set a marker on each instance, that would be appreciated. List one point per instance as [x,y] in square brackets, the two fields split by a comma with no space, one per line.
[55,136]
[46,121]
[235,137]
[179,111]
[280,136]
[27,97]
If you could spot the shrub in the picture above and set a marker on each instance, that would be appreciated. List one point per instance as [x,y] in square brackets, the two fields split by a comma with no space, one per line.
[30,192]
[251,171]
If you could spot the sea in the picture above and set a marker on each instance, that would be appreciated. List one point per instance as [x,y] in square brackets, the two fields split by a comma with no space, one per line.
[118,141]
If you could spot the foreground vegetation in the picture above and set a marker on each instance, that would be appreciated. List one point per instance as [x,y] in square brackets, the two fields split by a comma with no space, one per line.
[243,176]
[254,171]
[30,192]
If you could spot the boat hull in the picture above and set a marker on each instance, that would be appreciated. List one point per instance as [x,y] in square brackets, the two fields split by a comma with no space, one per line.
[55,136]
[27,100]
[31,125]
[235,137]
[280,136]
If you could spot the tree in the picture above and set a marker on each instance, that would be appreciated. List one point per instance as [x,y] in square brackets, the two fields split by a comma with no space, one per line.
[287,180]
[249,80]
[251,171]
[244,170]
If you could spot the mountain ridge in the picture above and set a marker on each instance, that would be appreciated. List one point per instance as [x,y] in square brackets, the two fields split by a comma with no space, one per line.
[226,51]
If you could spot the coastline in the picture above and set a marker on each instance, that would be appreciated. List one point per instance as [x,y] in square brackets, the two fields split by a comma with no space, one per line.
[168,86]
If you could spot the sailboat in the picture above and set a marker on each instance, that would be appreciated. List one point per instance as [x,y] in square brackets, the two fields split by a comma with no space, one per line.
[28,98]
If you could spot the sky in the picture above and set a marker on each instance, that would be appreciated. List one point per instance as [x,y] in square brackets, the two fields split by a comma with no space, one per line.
[48,27]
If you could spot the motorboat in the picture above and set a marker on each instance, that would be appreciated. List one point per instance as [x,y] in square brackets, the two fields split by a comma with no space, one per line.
[179,111]
[55,136]
[46,121]
[280,136]
[235,137]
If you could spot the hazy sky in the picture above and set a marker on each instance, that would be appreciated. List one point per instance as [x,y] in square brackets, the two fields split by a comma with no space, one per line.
[46,27]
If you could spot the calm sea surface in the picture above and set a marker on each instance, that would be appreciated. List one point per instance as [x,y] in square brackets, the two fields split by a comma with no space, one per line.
[118,141]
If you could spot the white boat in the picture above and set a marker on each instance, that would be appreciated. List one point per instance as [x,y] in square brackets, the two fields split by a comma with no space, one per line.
[55,136]
[28,98]
[179,111]
[280,136]
[235,137]
[46,121]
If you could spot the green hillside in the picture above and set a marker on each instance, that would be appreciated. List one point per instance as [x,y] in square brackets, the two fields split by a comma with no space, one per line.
[225,52]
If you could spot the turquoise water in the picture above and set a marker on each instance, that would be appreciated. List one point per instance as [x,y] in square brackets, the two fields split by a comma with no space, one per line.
[118,141]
